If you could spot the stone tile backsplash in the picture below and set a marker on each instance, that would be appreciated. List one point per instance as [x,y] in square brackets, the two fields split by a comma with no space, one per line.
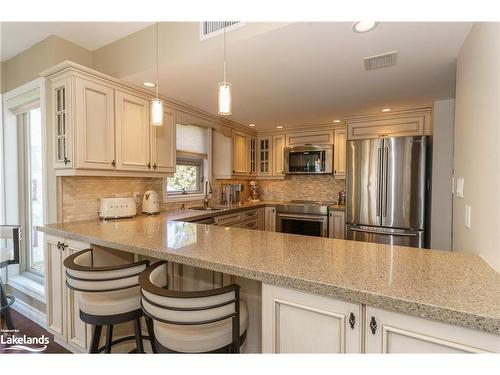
[81,195]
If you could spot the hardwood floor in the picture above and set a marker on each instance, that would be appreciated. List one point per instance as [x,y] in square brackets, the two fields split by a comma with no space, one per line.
[29,329]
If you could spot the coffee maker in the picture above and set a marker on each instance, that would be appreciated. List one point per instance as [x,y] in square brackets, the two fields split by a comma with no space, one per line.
[231,193]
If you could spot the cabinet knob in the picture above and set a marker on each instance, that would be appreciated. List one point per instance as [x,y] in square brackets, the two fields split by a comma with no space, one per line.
[154,166]
[148,165]
[113,163]
[373,325]
[66,160]
[352,320]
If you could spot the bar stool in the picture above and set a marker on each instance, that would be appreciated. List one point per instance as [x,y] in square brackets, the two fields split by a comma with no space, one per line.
[209,321]
[9,254]
[108,296]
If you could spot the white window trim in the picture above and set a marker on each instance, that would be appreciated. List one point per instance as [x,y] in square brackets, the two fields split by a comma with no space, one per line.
[18,100]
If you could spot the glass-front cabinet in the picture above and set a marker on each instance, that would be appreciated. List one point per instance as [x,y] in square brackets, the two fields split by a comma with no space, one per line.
[62,130]
[264,156]
[253,156]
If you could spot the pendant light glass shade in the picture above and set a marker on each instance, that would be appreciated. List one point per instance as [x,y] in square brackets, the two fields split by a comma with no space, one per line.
[157,112]
[224,95]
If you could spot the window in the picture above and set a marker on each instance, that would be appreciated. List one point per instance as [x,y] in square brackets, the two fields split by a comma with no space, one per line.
[192,163]
[188,178]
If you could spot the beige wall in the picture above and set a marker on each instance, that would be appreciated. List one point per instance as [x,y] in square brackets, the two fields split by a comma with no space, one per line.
[27,65]
[477,139]
[442,174]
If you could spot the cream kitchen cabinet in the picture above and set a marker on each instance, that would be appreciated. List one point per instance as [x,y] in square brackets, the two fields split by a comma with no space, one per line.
[132,133]
[270,219]
[252,158]
[391,332]
[297,322]
[336,224]
[102,128]
[403,123]
[241,159]
[339,153]
[233,157]
[278,162]
[63,319]
[247,219]
[309,138]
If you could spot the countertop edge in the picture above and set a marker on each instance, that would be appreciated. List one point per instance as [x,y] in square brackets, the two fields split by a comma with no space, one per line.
[418,309]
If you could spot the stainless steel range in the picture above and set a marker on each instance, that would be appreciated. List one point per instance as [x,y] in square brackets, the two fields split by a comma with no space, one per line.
[309,218]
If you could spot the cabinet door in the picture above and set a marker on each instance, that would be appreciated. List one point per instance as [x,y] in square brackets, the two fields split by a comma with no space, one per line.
[240,153]
[62,120]
[163,143]
[390,332]
[132,132]
[78,332]
[270,219]
[55,288]
[336,224]
[264,159]
[95,129]
[298,322]
[309,138]
[278,146]
[252,159]
[339,157]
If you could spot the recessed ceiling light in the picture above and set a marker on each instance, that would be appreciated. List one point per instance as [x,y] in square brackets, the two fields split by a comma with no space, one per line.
[148,84]
[336,121]
[251,125]
[386,110]
[364,26]
[279,127]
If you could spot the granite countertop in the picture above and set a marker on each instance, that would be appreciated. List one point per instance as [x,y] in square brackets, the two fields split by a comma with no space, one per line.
[453,287]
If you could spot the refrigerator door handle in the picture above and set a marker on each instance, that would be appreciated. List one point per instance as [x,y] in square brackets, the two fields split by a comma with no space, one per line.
[385,162]
[379,182]
[387,233]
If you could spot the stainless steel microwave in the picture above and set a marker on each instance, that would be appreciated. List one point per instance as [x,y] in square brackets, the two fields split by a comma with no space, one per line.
[309,159]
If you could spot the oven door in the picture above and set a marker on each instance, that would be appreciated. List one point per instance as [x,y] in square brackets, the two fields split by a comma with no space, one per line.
[308,225]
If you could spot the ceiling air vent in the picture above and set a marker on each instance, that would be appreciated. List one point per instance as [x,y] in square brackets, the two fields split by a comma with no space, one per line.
[380,61]
[209,29]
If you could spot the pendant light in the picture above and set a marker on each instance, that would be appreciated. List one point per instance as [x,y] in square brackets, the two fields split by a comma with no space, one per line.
[157,103]
[224,91]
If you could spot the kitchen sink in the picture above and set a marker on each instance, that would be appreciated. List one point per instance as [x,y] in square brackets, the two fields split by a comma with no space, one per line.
[202,208]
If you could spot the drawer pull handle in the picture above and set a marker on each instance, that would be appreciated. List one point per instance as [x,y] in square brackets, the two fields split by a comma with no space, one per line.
[373,325]
[352,320]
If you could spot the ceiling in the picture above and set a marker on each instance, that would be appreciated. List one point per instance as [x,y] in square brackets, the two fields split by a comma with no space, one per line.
[312,73]
[19,36]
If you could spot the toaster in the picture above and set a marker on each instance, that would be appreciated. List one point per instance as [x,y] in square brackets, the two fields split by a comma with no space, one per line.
[115,208]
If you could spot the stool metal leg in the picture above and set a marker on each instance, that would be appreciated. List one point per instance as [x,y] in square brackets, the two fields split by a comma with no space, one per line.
[151,333]
[96,336]
[5,310]
[109,338]
[138,335]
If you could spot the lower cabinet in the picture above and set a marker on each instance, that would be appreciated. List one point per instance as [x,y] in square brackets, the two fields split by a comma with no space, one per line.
[391,332]
[297,322]
[270,219]
[63,319]
[336,224]
[248,219]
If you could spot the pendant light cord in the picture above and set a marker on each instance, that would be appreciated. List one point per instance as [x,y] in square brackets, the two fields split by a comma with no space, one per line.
[224,52]
[156,57]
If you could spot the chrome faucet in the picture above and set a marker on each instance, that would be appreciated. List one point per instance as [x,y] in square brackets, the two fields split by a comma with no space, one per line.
[208,190]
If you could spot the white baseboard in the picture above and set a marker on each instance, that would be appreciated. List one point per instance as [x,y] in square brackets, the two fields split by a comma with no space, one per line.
[30,312]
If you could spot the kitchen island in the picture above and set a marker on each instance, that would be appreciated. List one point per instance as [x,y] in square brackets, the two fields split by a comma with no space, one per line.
[340,285]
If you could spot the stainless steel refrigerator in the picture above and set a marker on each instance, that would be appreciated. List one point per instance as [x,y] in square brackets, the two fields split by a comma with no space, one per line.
[386,189]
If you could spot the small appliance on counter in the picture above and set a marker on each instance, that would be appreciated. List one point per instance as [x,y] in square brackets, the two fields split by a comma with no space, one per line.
[231,193]
[254,193]
[342,198]
[117,208]
[150,203]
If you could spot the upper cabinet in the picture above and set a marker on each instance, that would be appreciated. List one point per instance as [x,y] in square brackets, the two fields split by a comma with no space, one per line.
[309,138]
[270,156]
[235,156]
[241,154]
[339,153]
[132,133]
[403,123]
[101,127]
[278,146]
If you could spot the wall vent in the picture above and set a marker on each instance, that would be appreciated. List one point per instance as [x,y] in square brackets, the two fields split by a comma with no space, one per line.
[209,29]
[380,61]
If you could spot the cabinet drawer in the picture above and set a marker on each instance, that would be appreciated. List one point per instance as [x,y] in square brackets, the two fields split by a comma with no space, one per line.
[250,214]
[229,218]
[251,224]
